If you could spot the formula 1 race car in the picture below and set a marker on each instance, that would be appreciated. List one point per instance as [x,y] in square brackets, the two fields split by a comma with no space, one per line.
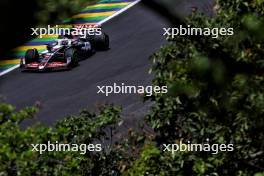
[64,53]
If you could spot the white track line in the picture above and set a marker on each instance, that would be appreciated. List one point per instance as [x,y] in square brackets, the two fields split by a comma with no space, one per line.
[99,23]
[118,12]
[9,70]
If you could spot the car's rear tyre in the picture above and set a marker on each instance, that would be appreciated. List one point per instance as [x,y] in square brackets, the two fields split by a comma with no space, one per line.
[72,54]
[31,55]
[106,43]
[100,42]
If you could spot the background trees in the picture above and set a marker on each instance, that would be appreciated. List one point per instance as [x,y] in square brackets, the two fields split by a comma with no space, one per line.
[17,157]
[215,92]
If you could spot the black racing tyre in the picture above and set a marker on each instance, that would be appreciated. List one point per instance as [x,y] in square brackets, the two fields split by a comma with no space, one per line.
[71,52]
[106,42]
[101,42]
[31,55]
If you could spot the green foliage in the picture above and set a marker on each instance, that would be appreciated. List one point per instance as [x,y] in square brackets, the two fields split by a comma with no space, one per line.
[52,12]
[216,91]
[150,158]
[17,157]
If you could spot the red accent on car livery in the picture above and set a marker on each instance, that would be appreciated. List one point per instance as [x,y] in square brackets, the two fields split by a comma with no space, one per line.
[56,64]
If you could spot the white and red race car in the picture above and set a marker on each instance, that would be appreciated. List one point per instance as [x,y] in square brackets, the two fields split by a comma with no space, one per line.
[64,53]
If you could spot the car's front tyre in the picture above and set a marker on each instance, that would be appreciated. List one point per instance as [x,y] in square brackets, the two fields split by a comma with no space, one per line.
[71,56]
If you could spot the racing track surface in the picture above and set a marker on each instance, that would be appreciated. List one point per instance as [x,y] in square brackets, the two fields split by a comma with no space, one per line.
[134,36]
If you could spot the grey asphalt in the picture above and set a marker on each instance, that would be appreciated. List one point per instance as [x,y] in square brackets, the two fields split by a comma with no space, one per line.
[134,36]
